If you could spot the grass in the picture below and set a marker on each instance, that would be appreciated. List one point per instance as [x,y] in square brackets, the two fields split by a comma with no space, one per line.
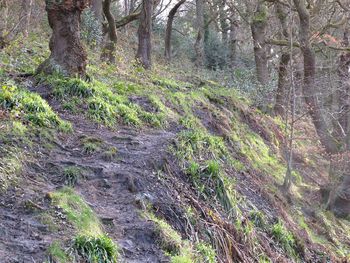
[110,154]
[71,175]
[90,243]
[179,250]
[78,213]
[91,145]
[30,108]
[258,153]
[105,104]
[286,239]
[11,166]
[57,254]
[96,249]
[197,143]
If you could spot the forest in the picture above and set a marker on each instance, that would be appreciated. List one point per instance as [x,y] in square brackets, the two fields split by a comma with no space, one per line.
[180,131]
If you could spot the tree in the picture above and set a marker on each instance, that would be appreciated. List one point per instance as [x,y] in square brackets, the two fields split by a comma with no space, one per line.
[258,27]
[224,26]
[199,44]
[336,144]
[232,42]
[3,22]
[143,54]
[280,103]
[110,48]
[67,53]
[169,29]
[26,15]
[96,7]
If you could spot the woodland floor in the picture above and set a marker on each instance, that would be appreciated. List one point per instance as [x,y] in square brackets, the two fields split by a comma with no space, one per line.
[118,187]
[113,188]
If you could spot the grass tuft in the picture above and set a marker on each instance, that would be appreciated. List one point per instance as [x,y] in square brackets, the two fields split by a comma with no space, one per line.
[96,249]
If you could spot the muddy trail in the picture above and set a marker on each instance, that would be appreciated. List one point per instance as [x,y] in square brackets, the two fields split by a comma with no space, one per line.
[115,187]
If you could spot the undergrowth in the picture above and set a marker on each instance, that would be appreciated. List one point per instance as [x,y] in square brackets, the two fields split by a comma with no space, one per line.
[178,249]
[90,242]
[30,108]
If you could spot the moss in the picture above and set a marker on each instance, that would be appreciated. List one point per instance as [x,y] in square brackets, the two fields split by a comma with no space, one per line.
[91,145]
[57,253]
[259,155]
[78,213]
[179,250]
[169,240]
[200,144]
[286,239]
[11,166]
[261,15]
[110,154]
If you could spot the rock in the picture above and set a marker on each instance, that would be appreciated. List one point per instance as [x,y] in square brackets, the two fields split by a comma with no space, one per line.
[144,200]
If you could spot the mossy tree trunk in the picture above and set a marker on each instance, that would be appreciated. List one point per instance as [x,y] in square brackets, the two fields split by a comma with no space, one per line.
[199,44]
[283,83]
[3,22]
[258,28]
[110,47]
[67,52]
[143,54]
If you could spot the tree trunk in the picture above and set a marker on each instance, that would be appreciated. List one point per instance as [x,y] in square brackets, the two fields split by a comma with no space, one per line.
[144,35]
[281,93]
[26,15]
[309,81]
[258,28]
[67,52]
[282,87]
[169,29]
[223,21]
[3,22]
[96,7]
[233,40]
[339,197]
[199,45]
[110,48]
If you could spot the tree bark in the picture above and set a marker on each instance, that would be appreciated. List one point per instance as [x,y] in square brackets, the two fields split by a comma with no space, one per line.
[67,52]
[26,16]
[232,43]
[282,86]
[199,44]
[169,29]
[3,22]
[223,21]
[144,35]
[96,7]
[110,47]
[258,28]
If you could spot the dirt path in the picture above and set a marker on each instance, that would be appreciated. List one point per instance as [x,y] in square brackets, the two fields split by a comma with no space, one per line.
[111,187]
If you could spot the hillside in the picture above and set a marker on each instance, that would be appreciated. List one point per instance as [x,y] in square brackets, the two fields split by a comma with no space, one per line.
[164,165]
